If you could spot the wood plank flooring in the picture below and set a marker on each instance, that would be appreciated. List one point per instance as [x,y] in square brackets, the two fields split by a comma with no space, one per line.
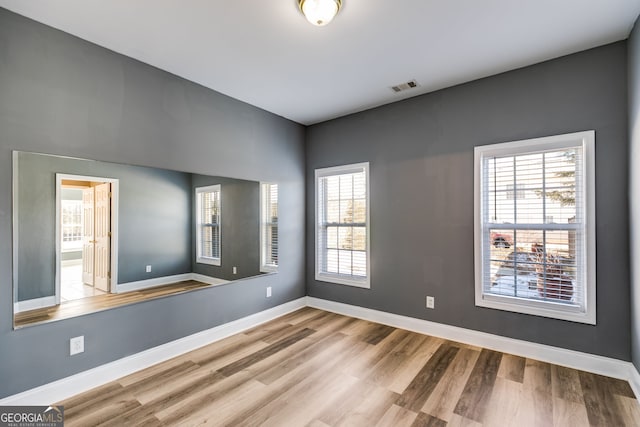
[92,304]
[318,369]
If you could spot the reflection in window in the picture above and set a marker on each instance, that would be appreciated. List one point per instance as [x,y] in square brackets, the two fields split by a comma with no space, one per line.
[208,225]
[269,227]
[71,224]
[536,253]
[342,225]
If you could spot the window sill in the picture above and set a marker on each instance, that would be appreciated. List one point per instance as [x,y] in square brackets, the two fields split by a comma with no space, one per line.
[544,309]
[210,261]
[340,280]
[268,268]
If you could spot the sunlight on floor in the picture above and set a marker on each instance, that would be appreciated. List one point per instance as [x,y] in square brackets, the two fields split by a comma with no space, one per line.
[71,282]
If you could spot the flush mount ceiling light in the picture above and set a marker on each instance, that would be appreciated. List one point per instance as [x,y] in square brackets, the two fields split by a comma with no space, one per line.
[319,12]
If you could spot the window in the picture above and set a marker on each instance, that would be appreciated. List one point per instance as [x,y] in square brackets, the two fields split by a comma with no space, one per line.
[71,224]
[269,228]
[208,225]
[535,250]
[342,225]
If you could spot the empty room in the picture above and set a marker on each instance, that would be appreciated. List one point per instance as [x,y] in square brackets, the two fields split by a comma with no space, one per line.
[320,213]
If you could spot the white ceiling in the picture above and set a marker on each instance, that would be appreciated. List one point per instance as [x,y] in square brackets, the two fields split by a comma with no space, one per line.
[265,53]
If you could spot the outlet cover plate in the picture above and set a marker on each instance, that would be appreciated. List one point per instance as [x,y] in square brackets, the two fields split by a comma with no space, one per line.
[76,345]
[431,302]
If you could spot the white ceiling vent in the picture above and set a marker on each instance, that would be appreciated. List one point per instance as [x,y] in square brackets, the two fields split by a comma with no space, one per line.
[411,84]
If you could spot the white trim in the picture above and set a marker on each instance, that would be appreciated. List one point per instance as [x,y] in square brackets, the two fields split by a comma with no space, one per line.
[14,225]
[152,283]
[213,281]
[574,359]
[587,312]
[33,304]
[50,301]
[199,258]
[264,266]
[634,381]
[338,278]
[84,381]
[268,268]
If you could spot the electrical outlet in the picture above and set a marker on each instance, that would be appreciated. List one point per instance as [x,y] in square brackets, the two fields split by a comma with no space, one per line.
[431,302]
[76,345]
[148,269]
[268,291]
[235,270]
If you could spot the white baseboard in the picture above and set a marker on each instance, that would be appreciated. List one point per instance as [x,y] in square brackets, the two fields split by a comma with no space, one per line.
[208,279]
[50,301]
[33,304]
[168,280]
[634,381]
[574,359]
[150,283]
[84,381]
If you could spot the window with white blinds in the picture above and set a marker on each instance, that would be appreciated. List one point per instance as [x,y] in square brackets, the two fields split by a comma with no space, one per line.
[208,236]
[269,228]
[342,225]
[535,226]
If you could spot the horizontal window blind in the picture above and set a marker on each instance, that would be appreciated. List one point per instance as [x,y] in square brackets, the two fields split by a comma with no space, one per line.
[342,225]
[208,220]
[269,232]
[533,227]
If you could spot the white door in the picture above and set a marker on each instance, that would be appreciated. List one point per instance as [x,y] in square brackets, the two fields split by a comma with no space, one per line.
[88,235]
[102,236]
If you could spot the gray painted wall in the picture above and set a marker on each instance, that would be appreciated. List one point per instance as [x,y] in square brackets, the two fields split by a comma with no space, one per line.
[634,190]
[240,228]
[65,96]
[154,220]
[421,176]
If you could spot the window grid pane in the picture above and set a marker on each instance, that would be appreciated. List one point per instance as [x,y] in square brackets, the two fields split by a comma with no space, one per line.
[209,224]
[342,225]
[71,220]
[533,223]
[269,225]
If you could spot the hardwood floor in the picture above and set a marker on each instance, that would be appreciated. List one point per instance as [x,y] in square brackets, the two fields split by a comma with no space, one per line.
[319,369]
[92,304]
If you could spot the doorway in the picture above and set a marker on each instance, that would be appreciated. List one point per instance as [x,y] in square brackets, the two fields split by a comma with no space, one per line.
[86,242]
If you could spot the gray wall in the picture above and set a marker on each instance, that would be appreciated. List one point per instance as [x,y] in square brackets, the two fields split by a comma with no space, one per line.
[154,220]
[65,96]
[421,171]
[634,190]
[240,228]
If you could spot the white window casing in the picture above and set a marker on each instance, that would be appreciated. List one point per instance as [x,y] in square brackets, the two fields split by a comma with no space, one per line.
[208,225]
[268,227]
[342,225]
[534,208]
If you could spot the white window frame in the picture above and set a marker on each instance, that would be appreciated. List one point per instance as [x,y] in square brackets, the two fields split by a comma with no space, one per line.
[200,259]
[325,276]
[72,245]
[587,312]
[267,265]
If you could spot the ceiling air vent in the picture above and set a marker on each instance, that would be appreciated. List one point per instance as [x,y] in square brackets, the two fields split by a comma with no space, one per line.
[411,84]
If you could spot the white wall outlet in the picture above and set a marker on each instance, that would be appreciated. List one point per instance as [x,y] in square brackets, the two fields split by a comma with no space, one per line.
[431,302]
[76,345]
[268,291]
[148,269]
[235,270]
